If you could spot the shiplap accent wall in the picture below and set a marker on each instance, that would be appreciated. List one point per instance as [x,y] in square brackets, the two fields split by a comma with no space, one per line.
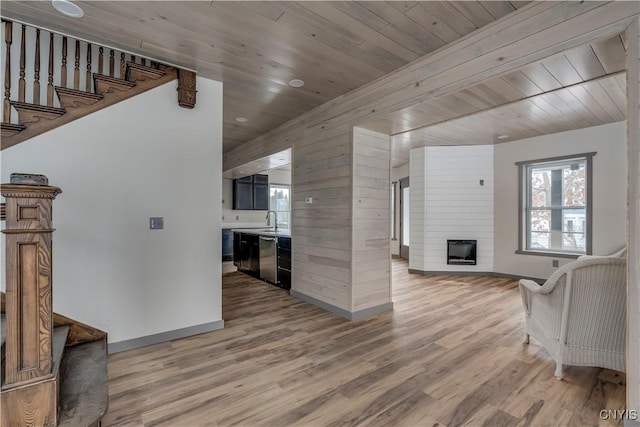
[371,283]
[633,256]
[450,203]
[417,211]
[321,230]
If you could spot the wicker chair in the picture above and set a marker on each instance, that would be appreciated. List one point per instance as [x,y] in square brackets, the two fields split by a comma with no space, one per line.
[579,313]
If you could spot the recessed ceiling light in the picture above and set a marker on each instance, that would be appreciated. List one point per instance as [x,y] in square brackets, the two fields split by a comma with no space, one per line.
[241,119]
[67,8]
[502,136]
[296,83]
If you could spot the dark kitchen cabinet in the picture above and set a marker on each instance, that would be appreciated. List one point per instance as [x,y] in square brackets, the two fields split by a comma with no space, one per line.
[260,197]
[236,249]
[251,193]
[227,244]
[246,253]
[243,193]
[284,262]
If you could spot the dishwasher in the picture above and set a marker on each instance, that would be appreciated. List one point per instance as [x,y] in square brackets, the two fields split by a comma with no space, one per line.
[268,259]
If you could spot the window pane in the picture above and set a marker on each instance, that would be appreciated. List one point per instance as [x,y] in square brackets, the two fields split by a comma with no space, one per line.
[573,230]
[540,188]
[540,226]
[280,201]
[573,178]
[393,210]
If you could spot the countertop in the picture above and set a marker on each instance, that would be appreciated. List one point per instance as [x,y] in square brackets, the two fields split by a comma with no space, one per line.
[282,232]
[228,225]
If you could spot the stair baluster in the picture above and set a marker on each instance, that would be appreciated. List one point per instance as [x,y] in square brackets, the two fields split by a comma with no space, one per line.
[36,71]
[8,38]
[123,65]
[21,82]
[50,80]
[101,60]
[88,75]
[63,68]
[76,67]
[111,62]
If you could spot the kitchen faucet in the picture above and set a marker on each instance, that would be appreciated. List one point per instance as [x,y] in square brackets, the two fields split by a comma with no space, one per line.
[275,220]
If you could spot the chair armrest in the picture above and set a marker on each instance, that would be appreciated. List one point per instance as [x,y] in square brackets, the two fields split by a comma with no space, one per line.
[534,287]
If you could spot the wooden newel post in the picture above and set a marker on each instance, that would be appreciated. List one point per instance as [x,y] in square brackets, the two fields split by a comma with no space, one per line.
[29,317]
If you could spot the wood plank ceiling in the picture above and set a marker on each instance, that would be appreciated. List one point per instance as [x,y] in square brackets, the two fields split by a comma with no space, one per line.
[579,88]
[256,48]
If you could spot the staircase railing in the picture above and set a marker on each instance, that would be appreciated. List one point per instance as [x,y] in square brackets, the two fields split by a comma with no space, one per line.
[85,76]
[38,61]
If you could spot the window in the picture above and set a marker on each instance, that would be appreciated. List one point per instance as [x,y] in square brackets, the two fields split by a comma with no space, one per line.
[280,201]
[555,198]
[393,210]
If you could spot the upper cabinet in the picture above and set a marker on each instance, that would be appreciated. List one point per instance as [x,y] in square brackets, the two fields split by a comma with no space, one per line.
[251,193]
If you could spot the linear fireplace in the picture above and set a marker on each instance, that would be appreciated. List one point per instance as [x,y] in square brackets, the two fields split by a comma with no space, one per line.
[461,252]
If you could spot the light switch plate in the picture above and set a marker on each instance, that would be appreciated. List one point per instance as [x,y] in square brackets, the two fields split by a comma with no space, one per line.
[156,223]
[308,200]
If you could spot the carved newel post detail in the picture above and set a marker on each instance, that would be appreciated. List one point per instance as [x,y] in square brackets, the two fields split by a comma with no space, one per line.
[186,89]
[29,317]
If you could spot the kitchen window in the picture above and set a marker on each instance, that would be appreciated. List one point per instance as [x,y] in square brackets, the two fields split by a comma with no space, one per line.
[555,206]
[280,201]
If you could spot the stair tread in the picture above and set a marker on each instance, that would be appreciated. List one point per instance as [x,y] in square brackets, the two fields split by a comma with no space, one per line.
[115,80]
[153,73]
[66,90]
[36,107]
[12,126]
[84,389]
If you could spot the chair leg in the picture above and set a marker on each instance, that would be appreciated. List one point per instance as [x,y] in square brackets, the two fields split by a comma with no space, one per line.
[558,372]
[525,339]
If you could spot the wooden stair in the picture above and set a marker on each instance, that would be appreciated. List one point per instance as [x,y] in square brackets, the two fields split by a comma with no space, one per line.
[10,129]
[37,119]
[71,98]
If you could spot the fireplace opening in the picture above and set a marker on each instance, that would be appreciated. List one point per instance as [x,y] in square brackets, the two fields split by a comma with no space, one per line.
[461,252]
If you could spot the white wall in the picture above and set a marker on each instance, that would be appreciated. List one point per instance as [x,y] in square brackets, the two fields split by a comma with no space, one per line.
[117,167]
[448,202]
[609,193]
[240,218]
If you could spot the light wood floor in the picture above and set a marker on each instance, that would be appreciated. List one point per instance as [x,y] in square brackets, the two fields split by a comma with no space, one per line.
[449,354]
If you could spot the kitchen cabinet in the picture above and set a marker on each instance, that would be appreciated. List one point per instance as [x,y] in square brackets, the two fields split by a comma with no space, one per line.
[284,262]
[236,249]
[227,244]
[251,193]
[247,253]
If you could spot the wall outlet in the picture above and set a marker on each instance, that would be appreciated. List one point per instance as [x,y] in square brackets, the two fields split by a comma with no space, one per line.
[555,263]
[308,200]
[156,223]
[482,183]
[237,217]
